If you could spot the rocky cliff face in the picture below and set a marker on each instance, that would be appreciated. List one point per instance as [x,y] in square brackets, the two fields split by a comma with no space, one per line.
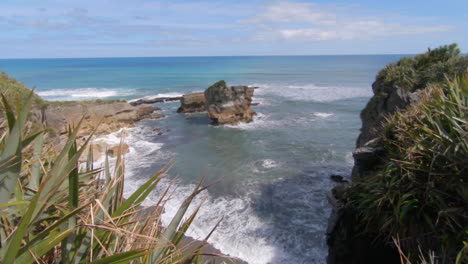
[229,104]
[192,102]
[386,101]
[396,87]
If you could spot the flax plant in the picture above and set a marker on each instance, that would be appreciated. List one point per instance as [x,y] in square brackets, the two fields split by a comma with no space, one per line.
[421,194]
[55,210]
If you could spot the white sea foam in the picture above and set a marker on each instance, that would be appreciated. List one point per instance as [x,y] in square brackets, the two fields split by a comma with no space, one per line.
[81,93]
[349,158]
[139,150]
[268,163]
[260,121]
[323,115]
[246,243]
[242,233]
[311,92]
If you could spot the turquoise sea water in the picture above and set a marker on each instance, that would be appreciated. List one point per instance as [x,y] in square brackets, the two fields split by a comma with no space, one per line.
[273,172]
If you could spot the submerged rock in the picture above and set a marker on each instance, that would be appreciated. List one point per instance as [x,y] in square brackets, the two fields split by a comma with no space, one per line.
[229,104]
[192,102]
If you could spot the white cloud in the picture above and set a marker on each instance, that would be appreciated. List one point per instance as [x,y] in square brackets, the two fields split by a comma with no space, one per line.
[281,12]
[294,21]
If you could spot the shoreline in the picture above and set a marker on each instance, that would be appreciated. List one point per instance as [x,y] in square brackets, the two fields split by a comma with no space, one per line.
[105,146]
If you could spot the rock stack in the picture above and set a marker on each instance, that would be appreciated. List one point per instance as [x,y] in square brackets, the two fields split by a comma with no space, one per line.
[229,104]
[226,105]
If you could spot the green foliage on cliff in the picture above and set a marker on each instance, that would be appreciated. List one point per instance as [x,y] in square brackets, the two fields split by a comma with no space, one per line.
[56,209]
[420,195]
[17,92]
[414,73]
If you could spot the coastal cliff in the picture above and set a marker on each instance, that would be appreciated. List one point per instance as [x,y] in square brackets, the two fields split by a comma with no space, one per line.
[389,203]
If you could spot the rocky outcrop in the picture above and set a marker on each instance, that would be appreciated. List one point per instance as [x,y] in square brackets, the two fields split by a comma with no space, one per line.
[385,102]
[110,116]
[344,238]
[154,100]
[104,116]
[192,102]
[229,104]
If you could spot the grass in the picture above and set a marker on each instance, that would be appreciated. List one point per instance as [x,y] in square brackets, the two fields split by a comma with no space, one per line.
[55,210]
[420,194]
[16,92]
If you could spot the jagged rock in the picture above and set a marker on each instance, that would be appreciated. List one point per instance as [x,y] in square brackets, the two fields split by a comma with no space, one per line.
[192,102]
[383,103]
[386,101]
[154,100]
[229,105]
[338,178]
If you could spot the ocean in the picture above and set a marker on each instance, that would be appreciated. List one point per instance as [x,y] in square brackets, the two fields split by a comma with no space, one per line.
[273,175]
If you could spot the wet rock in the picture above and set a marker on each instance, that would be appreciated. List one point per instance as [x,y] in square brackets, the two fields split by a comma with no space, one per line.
[338,178]
[108,117]
[192,102]
[155,100]
[229,104]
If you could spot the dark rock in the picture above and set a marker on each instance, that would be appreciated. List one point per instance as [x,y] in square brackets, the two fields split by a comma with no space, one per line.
[155,100]
[229,104]
[345,238]
[338,178]
[385,102]
[192,102]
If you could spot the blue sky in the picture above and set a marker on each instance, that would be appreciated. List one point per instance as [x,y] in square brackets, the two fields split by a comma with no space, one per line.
[134,28]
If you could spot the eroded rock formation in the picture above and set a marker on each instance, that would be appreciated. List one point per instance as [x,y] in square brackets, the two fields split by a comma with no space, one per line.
[111,116]
[229,104]
[192,102]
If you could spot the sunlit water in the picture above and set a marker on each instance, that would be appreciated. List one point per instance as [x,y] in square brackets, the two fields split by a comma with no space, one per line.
[273,173]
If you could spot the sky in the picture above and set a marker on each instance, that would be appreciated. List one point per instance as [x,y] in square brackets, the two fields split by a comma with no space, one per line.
[153,28]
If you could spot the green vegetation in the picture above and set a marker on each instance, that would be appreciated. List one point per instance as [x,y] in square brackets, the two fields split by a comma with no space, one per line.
[55,210]
[17,92]
[420,195]
[414,73]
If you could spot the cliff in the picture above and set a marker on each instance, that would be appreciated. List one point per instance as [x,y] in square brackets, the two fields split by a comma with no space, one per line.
[390,169]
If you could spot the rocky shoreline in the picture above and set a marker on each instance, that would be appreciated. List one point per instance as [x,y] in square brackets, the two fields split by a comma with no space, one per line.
[105,117]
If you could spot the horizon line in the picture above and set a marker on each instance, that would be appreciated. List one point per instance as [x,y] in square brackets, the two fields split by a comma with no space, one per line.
[208,56]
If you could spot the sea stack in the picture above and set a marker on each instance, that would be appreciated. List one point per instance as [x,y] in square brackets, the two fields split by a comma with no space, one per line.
[229,105]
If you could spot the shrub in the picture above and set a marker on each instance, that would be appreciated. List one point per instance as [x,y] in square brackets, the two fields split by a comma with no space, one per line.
[414,73]
[420,195]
